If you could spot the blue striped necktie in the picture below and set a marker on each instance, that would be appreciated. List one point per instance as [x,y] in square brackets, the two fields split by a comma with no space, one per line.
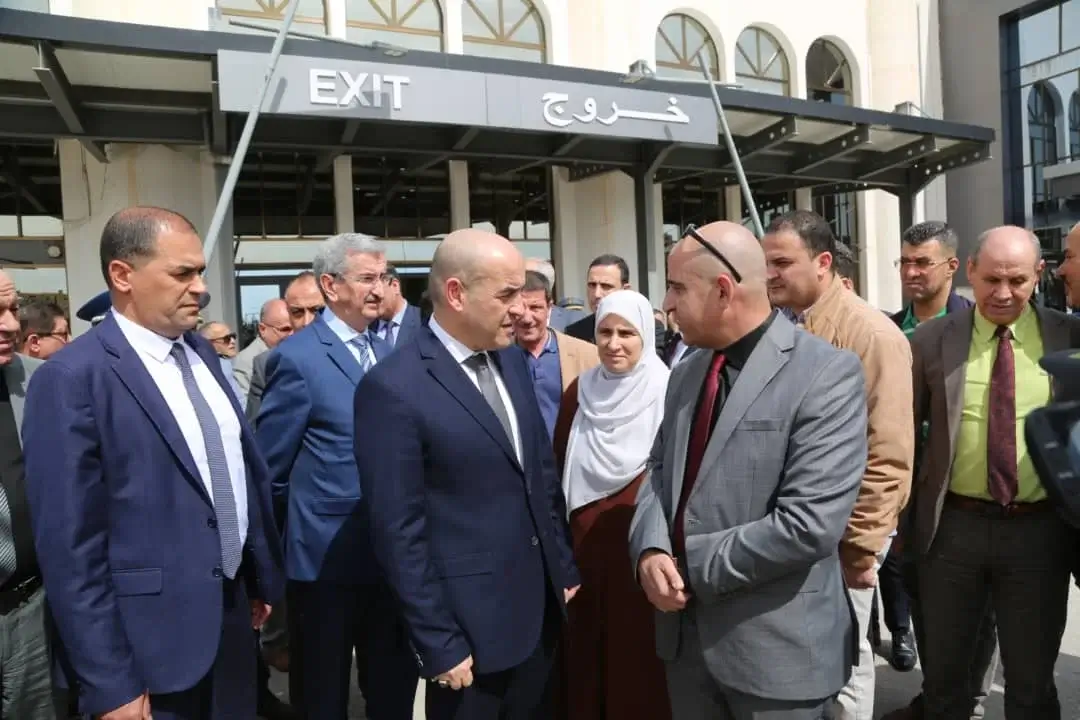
[224,500]
[360,342]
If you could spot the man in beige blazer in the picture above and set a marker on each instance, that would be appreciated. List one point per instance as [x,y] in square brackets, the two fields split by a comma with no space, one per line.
[980,526]
[555,359]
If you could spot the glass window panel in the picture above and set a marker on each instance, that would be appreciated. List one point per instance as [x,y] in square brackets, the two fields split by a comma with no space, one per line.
[311,14]
[42,226]
[761,65]
[412,24]
[678,40]
[38,280]
[1039,35]
[507,29]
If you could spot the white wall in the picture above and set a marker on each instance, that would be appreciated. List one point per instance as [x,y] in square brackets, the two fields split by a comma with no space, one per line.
[881,39]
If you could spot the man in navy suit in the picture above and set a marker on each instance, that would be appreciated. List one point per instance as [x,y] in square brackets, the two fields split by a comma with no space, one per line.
[305,429]
[467,516]
[398,320]
[150,501]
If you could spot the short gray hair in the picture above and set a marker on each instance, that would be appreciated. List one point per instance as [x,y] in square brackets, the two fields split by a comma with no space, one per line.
[1036,244]
[545,268]
[332,256]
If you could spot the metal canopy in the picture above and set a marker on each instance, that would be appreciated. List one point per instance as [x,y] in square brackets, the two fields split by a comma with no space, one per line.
[785,143]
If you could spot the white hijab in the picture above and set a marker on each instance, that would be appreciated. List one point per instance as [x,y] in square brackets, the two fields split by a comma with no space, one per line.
[618,414]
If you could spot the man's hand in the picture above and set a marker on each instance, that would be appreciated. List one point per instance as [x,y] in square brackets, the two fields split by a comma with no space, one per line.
[137,709]
[457,678]
[661,581]
[860,578]
[260,613]
[569,593]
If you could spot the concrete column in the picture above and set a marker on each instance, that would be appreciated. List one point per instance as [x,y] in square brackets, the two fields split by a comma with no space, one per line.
[336,18]
[564,239]
[344,215]
[453,35]
[658,257]
[804,199]
[181,179]
[733,203]
[893,39]
[460,216]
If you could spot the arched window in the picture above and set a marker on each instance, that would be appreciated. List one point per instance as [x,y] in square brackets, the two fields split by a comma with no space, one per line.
[1042,139]
[828,75]
[678,41]
[412,24]
[508,29]
[310,16]
[1074,126]
[761,64]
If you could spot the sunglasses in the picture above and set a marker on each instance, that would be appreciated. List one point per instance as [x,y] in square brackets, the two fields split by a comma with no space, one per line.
[691,231]
[224,338]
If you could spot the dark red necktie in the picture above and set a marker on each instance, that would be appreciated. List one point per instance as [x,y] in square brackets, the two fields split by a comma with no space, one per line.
[695,450]
[1001,422]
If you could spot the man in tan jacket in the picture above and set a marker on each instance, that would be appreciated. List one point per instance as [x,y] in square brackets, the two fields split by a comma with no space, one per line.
[799,248]
[555,359]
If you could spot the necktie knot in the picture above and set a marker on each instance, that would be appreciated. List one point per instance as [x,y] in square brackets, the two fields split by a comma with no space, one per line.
[360,341]
[478,362]
[1003,332]
[716,364]
[179,355]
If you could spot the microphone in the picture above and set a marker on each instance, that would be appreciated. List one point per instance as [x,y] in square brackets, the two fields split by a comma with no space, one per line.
[204,300]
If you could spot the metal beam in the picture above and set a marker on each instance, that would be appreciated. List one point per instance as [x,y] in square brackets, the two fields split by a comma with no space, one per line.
[904,155]
[391,184]
[584,172]
[560,148]
[463,140]
[52,77]
[831,150]
[954,158]
[121,126]
[767,139]
[23,185]
[97,96]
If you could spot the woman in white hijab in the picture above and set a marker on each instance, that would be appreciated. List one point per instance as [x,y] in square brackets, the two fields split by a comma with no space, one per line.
[607,422]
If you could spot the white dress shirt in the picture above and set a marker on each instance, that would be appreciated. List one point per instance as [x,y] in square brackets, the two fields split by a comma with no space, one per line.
[155,353]
[461,353]
[347,334]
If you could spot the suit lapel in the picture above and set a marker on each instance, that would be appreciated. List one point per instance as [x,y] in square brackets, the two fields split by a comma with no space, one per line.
[955,346]
[770,355]
[452,377]
[381,348]
[1054,331]
[338,353]
[133,375]
[15,378]
[691,386]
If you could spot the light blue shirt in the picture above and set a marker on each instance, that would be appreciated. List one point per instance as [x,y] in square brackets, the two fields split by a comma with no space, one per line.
[347,334]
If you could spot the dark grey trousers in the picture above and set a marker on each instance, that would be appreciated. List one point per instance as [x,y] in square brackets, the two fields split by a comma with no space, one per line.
[26,683]
[1019,564]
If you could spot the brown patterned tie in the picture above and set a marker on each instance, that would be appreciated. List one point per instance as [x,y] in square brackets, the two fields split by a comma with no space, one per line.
[1001,422]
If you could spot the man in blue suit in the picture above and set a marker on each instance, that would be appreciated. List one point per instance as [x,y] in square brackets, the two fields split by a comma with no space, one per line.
[468,520]
[150,501]
[398,320]
[305,429]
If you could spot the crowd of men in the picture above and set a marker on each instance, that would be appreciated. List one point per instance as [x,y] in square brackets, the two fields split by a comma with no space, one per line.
[367,493]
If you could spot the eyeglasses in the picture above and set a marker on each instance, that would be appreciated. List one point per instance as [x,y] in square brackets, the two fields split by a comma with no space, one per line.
[691,231]
[368,280]
[922,263]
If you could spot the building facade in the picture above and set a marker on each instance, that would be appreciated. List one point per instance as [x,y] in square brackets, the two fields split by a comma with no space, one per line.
[297,187]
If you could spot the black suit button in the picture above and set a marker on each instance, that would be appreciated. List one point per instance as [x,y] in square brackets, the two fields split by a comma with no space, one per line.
[211,523]
[534,541]
[217,572]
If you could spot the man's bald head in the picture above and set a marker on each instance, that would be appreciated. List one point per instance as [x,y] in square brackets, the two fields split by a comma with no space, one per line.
[466,255]
[736,243]
[716,285]
[1004,270]
[475,287]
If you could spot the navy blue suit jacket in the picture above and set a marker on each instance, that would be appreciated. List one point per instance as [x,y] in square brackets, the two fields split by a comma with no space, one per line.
[124,528]
[410,325]
[305,430]
[461,530]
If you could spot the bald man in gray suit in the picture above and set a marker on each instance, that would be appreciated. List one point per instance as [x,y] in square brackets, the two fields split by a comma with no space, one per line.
[755,472]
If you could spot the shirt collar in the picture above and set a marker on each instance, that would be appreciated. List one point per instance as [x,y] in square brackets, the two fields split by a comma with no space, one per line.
[739,351]
[346,333]
[144,340]
[457,349]
[984,330]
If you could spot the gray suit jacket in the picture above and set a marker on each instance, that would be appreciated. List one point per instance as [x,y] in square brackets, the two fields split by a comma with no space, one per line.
[243,363]
[257,386]
[763,523]
[939,350]
[17,376]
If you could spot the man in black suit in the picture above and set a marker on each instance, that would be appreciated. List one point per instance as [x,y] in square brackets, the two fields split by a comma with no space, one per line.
[607,273]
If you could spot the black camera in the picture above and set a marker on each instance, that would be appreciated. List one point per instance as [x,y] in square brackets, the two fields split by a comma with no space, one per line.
[1053,436]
